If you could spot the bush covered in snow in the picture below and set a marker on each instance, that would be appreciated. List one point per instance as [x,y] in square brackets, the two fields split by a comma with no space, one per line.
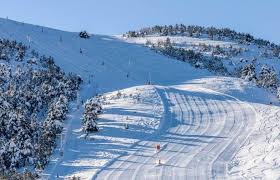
[84,34]
[34,96]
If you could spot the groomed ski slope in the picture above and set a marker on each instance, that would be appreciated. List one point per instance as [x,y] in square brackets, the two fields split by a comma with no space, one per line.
[200,132]
[206,125]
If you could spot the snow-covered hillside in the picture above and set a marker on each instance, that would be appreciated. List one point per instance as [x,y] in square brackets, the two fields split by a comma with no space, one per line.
[222,51]
[208,126]
[234,57]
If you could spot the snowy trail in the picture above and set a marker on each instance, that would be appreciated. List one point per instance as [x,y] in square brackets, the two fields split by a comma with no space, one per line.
[259,157]
[201,132]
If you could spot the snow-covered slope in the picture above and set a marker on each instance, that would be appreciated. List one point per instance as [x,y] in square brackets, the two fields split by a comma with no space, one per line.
[200,120]
[234,55]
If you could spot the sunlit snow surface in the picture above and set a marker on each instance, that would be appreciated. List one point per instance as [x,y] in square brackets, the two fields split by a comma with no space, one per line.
[207,126]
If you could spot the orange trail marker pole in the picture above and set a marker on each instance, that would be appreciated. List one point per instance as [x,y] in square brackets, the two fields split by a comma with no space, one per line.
[157,151]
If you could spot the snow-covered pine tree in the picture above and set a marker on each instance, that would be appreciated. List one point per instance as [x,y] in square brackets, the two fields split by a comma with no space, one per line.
[2,163]
[13,154]
[56,115]
[84,34]
[92,110]
[267,78]
[249,72]
[25,92]
[27,152]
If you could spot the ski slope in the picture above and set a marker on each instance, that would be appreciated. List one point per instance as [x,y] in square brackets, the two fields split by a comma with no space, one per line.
[201,131]
[208,127]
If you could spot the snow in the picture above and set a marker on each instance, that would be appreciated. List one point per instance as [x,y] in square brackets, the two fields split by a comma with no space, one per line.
[183,40]
[208,127]
[85,157]
[259,157]
[249,52]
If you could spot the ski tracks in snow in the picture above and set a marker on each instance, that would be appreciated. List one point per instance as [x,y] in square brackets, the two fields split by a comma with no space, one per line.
[200,133]
[259,157]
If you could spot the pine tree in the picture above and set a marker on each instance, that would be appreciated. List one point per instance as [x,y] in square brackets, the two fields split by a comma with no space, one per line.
[248,72]
[92,110]
[84,34]
[3,167]
[267,78]
[41,87]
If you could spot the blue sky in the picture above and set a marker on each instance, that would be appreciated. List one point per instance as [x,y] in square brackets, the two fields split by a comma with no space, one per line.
[258,17]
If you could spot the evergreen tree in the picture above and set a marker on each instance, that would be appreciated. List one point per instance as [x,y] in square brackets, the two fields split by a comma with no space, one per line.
[248,72]
[267,78]
[92,110]
[84,34]
[26,92]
